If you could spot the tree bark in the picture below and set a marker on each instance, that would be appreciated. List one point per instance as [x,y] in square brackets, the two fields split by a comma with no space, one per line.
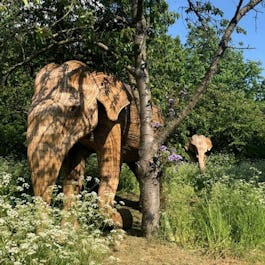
[147,170]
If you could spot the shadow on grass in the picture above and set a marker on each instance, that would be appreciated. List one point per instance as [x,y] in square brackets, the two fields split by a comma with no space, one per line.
[133,206]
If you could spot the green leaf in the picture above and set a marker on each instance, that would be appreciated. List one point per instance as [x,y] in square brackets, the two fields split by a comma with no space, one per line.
[26,2]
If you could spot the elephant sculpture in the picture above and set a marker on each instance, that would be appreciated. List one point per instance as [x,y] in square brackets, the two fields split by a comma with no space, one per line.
[197,147]
[74,113]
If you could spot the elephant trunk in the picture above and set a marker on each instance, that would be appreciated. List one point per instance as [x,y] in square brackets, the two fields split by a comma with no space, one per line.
[201,159]
[45,155]
[45,167]
[45,160]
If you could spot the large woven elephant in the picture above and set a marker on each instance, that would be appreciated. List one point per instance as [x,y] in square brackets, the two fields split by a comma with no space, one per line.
[197,147]
[76,112]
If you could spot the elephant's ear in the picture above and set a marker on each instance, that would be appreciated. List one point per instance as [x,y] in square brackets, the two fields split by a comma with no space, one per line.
[195,139]
[112,94]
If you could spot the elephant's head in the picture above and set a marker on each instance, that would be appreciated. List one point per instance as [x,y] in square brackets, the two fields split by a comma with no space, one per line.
[64,109]
[202,145]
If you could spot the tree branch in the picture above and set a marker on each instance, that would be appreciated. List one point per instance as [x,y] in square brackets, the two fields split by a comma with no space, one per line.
[242,48]
[196,12]
[33,56]
[223,44]
[105,48]
[64,15]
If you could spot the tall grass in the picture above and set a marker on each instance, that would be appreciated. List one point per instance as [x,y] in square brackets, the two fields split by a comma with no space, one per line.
[221,211]
[21,216]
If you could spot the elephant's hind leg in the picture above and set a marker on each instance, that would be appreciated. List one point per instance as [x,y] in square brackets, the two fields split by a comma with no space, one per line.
[110,164]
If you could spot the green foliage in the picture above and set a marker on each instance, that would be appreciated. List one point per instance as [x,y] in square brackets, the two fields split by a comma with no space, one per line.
[167,69]
[159,17]
[54,245]
[232,219]
[22,215]
[14,178]
[232,110]
[47,31]
[14,103]
[128,181]
[234,122]
[176,220]
[221,211]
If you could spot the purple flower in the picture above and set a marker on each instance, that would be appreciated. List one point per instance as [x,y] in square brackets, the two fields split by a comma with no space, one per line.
[163,148]
[157,125]
[175,157]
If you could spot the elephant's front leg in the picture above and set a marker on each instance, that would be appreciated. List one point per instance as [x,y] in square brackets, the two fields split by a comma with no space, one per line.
[73,169]
[109,155]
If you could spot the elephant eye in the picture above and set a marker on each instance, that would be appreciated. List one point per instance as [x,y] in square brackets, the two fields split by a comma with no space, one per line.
[73,109]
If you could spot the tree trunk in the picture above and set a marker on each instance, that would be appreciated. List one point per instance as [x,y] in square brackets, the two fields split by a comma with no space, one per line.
[147,171]
[150,196]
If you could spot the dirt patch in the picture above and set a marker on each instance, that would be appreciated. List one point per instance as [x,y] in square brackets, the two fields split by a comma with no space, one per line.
[140,251]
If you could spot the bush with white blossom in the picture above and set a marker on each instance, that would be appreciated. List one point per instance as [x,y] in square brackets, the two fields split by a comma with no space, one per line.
[22,215]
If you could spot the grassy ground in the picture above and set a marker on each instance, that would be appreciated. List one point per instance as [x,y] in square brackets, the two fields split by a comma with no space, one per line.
[136,250]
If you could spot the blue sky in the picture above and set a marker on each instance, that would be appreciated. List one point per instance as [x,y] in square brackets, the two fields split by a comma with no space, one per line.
[255,28]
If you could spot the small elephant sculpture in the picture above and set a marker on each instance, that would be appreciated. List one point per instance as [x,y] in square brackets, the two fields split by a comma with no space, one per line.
[199,145]
[74,113]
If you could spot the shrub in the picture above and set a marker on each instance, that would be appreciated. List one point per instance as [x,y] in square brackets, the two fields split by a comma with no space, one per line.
[176,219]
[231,218]
[128,181]
[21,216]
[221,211]
[55,244]
[14,177]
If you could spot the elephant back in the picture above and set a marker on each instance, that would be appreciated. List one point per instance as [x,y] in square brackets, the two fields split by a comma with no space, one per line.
[133,137]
